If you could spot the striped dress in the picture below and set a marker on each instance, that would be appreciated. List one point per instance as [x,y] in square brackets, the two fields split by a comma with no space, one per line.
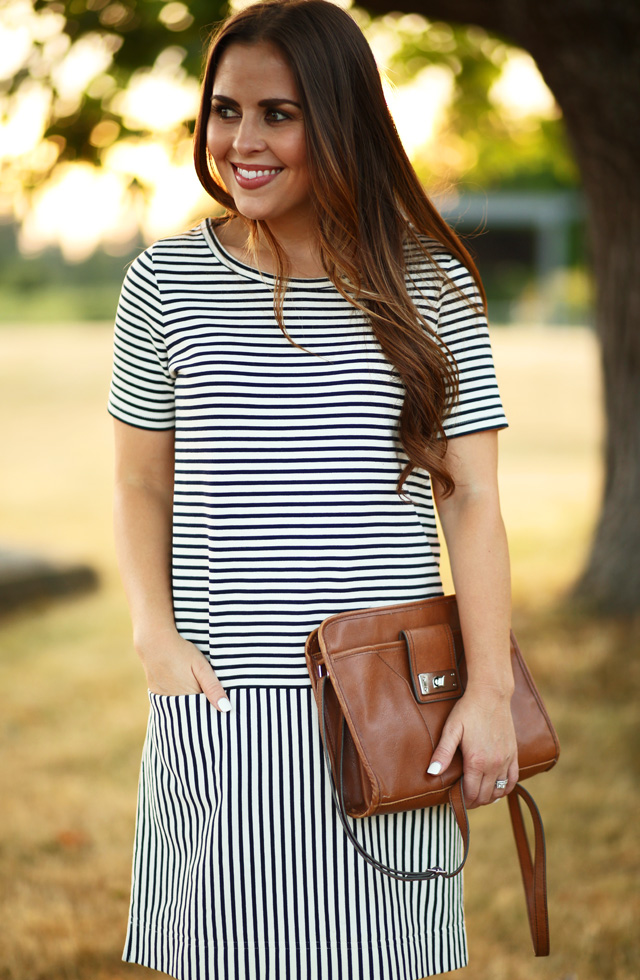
[285,511]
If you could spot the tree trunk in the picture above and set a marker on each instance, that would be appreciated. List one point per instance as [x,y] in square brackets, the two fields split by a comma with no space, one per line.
[588,52]
[611,580]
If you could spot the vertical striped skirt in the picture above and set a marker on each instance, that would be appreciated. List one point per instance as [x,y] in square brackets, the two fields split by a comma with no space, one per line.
[242,872]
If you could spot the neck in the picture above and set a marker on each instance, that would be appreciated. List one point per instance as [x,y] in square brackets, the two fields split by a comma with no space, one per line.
[301,251]
[297,241]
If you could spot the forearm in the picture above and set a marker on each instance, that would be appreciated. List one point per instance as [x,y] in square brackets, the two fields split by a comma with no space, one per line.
[143,531]
[142,519]
[479,558]
[480,723]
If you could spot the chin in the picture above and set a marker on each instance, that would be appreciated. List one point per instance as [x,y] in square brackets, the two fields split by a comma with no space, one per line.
[254,213]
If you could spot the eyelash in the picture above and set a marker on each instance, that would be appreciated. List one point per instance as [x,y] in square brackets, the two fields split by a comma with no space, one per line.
[220,111]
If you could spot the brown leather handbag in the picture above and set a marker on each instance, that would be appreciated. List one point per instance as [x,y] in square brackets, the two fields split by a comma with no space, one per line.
[385,680]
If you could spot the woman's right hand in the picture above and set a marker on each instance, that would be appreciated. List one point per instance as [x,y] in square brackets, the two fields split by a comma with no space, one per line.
[175,666]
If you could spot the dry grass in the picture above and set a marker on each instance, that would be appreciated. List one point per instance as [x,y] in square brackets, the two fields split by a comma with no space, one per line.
[74,705]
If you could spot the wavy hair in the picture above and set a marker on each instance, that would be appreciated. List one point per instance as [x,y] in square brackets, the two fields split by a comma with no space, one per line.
[367,199]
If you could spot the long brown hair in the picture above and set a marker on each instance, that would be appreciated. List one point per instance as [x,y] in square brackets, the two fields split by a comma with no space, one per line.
[367,199]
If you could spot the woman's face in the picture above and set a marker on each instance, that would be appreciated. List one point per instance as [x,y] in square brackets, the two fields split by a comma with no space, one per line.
[256,135]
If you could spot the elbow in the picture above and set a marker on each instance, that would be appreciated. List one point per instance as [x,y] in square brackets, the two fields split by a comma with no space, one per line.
[472,508]
[130,488]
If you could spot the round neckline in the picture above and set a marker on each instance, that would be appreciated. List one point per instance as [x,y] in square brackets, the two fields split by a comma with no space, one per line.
[231,262]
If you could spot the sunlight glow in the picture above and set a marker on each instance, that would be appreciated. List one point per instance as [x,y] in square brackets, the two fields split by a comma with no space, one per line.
[172,189]
[88,57]
[20,26]
[23,120]
[521,90]
[419,109]
[77,209]
[15,45]
[159,98]
[156,103]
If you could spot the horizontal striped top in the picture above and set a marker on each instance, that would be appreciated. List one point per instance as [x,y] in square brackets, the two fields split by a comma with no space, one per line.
[285,502]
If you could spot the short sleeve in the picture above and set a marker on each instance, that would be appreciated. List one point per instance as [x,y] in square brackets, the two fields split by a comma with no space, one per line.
[463,327]
[142,388]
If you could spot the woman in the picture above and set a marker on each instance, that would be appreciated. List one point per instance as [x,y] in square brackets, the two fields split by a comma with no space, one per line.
[293,387]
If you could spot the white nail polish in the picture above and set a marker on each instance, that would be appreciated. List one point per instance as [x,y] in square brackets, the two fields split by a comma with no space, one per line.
[224,704]
[434,768]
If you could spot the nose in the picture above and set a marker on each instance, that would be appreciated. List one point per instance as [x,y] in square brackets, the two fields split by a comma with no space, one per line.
[248,138]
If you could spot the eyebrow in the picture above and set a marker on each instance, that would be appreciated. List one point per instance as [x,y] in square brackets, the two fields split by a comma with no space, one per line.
[263,103]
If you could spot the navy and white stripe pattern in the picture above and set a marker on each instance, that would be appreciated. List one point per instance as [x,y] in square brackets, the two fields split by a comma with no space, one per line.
[243,871]
[285,506]
[285,511]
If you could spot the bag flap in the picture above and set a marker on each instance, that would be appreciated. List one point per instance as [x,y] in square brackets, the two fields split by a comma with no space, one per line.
[382,624]
[432,663]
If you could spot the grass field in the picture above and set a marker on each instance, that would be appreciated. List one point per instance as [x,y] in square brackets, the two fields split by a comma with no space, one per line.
[74,703]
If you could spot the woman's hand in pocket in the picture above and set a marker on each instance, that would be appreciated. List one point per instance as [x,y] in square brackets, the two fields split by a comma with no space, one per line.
[175,666]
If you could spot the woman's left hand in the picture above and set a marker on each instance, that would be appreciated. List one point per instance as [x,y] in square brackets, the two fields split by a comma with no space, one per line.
[482,726]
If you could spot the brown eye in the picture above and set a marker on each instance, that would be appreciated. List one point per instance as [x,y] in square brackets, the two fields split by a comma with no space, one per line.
[224,111]
[276,115]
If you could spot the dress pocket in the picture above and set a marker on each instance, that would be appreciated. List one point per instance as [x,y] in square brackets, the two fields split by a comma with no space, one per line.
[183,739]
[187,743]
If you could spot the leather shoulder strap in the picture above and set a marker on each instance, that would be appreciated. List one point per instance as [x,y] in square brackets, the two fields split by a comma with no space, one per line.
[534,873]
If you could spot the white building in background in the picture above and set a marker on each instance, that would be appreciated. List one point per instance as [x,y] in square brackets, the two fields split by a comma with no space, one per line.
[517,230]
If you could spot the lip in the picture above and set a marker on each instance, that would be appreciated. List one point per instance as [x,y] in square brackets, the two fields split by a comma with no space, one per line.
[253,183]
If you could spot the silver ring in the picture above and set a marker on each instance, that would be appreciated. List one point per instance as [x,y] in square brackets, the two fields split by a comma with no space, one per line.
[501,783]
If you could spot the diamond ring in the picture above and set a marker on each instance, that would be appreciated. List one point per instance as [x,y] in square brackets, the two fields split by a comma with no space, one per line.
[501,783]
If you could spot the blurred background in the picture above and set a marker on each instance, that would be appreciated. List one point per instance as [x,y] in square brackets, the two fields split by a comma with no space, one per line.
[96,152]
[500,113]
